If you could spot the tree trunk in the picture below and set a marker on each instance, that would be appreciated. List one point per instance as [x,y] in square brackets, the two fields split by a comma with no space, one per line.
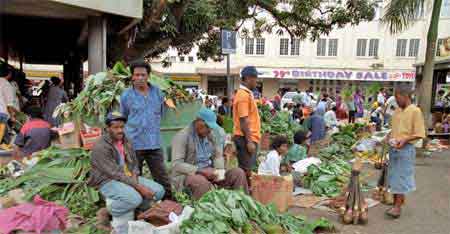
[428,68]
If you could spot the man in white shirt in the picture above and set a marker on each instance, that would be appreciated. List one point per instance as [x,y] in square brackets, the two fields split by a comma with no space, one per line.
[6,98]
[381,99]
[389,110]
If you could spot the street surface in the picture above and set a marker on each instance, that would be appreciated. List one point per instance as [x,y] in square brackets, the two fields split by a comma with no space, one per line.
[427,210]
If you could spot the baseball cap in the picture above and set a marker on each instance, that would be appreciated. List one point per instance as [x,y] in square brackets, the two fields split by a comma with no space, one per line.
[115,116]
[249,71]
[209,117]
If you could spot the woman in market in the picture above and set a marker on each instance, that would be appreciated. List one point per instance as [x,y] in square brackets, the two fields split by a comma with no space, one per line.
[56,95]
[359,104]
[407,128]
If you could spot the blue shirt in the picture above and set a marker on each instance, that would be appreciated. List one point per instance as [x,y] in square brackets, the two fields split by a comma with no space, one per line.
[143,115]
[204,150]
[316,125]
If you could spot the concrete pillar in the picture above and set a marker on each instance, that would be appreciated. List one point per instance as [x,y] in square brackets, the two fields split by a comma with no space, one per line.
[96,44]
[204,82]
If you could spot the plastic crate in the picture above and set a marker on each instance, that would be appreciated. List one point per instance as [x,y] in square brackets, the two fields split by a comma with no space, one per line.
[89,137]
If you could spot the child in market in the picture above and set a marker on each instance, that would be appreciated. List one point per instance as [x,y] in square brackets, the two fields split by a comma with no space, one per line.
[272,162]
[297,152]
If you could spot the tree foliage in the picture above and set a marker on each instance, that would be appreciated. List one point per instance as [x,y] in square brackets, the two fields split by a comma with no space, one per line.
[401,14]
[182,24]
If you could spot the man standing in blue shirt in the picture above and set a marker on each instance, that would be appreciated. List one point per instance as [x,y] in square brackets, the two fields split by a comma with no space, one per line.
[143,105]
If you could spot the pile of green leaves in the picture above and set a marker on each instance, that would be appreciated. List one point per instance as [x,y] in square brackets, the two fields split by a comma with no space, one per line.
[278,124]
[328,178]
[335,151]
[102,91]
[59,176]
[226,211]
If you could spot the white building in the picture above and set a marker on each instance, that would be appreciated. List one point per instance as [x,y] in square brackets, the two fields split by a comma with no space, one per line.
[356,55]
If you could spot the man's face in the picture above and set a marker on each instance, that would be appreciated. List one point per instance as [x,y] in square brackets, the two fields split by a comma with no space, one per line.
[401,100]
[116,130]
[140,77]
[251,82]
[201,128]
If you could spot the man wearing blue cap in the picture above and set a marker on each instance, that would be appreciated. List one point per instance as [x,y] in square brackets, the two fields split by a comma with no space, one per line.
[115,173]
[247,124]
[197,161]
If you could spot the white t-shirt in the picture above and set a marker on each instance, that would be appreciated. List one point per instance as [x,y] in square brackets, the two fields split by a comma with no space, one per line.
[7,95]
[271,165]
[391,105]
[381,99]
[330,119]
[377,112]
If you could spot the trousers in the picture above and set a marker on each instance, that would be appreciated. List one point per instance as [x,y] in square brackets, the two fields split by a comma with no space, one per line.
[155,162]
[125,198]
[234,179]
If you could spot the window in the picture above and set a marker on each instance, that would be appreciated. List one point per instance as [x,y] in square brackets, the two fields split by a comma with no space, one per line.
[321,47]
[284,46]
[182,59]
[445,8]
[295,46]
[438,46]
[373,47]
[191,59]
[249,45]
[401,47]
[361,47]
[332,47]
[260,46]
[413,47]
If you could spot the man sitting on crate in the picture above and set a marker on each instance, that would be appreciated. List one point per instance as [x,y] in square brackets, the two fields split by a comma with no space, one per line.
[115,173]
[197,160]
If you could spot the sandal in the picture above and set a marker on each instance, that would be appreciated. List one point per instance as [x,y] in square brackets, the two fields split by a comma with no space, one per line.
[393,214]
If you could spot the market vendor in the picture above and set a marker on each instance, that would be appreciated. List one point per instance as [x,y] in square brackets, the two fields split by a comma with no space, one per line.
[407,128]
[246,121]
[35,135]
[55,96]
[196,159]
[115,172]
[143,106]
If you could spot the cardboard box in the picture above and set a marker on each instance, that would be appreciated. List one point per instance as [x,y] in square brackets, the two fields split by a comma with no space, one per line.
[68,136]
[89,137]
[273,189]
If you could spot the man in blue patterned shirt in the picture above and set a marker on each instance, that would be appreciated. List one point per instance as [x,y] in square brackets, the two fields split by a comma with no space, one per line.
[143,105]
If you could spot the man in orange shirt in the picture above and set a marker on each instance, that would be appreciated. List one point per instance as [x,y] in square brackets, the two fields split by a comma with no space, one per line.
[247,125]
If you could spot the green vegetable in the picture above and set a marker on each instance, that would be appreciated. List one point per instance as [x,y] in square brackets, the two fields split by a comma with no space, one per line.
[226,211]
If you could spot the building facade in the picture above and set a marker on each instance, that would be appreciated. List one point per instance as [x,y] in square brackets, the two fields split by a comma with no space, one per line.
[352,56]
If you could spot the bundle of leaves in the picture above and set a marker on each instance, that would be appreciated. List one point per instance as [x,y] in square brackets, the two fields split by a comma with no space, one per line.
[226,211]
[59,176]
[102,91]
[328,178]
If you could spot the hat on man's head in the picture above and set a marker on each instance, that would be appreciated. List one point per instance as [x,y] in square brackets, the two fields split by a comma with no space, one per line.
[115,116]
[249,71]
[209,117]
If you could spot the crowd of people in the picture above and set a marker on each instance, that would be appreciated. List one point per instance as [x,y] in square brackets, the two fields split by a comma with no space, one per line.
[26,120]
[132,138]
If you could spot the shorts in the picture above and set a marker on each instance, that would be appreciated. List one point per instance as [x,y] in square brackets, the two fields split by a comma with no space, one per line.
[246,160]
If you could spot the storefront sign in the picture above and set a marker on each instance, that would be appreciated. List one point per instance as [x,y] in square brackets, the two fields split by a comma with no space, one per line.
[186,78]
[324,74]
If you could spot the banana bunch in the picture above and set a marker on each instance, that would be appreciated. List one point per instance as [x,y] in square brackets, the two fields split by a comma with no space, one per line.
[368,155]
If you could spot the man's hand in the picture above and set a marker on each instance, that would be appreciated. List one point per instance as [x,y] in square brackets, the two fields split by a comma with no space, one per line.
[208,173]
[251,147]
[401,144]
[145,192]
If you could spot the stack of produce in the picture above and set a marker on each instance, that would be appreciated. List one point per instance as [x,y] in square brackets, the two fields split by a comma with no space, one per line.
[355,210]
[328,178]
[102,91]
[60,175]
[225,211]
[278,124]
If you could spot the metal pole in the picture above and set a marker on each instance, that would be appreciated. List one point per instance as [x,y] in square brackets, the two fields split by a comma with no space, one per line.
[229,79]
